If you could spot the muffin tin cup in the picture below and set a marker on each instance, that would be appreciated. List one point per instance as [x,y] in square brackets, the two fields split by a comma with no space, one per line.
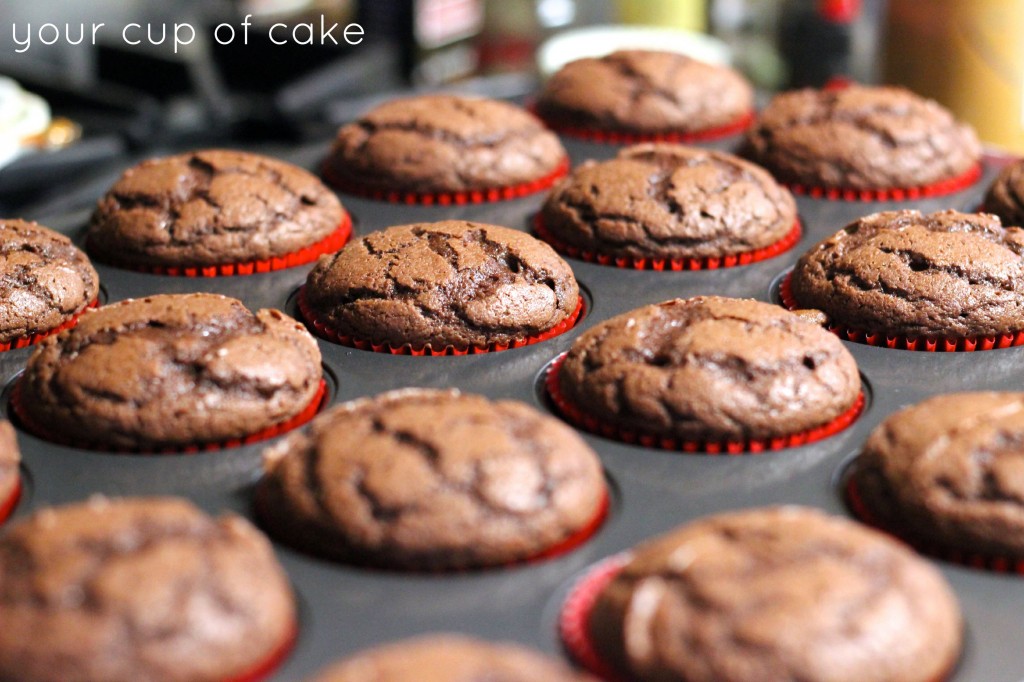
[325,331]
[943,187]
[265,668]
[626,137]
[967,344]
[7,506]
[575,613]
[448,198]
[32,339]
[752,446]
[986,562]
[28,423]
[308,254]
[672,264]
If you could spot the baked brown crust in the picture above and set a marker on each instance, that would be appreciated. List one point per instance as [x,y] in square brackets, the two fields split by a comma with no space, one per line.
[449,658]
[949,472]
[438,143]
[710,368]
[903,273]
[669,201]
[782,593]
[211,207]
[1005,197]
[170,371]
[645,91]
[44,280]
[861,137]
[138,589]
[427,479]
[10,458]
[447,283]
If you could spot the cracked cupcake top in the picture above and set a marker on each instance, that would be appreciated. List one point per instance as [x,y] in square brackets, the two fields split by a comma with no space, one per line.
[427,479]
[448,283]
[437,143]
[210,207]
[10,457]
[710,368]
[950,471]
[170,371]
[782,593]
[44,279]
[663,200]
[1005,197]
[644,91]
[449,658]
[903,273]
[861,137]
[133,589]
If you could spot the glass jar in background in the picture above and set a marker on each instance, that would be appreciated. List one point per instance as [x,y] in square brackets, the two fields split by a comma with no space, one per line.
[690,15]
[968,55]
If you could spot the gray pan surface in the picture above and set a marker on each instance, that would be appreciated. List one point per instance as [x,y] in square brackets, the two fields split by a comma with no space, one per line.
[344,609]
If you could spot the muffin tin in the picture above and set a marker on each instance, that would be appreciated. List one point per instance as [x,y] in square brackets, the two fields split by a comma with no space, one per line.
[344,609]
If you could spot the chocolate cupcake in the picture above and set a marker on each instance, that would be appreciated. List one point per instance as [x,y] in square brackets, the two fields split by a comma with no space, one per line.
[646,95]
[947,475]
[941,281]
[867,143]
[45,283]
[140,589]
[445,149]
[449,658]
[1005,197]
[216,212]
[784,593]
[432,480]
[664,206]
[10,477]
[171,372]
[441,288]
[708,373]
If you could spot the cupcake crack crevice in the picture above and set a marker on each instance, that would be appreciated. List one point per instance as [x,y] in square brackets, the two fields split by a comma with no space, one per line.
[431,480]
[439,284]
[170,372]
[669,202]
[209,208]
[710,369]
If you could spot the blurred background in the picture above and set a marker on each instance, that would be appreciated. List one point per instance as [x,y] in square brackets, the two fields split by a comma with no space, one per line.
[69,108]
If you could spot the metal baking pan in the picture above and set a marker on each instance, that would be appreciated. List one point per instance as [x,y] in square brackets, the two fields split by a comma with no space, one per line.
[345,609]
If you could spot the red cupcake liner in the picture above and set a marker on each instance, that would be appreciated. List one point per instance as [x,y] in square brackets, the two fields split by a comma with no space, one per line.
[967,344]
[571,542]
[325,331]
[753,446]
[978,560]
[329,244]
[32,339]
[673,264]
[624,137]
[7,506]
[948,186]
[579,537]
[573,627]
[34,427]
[272,662]
[449,198]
